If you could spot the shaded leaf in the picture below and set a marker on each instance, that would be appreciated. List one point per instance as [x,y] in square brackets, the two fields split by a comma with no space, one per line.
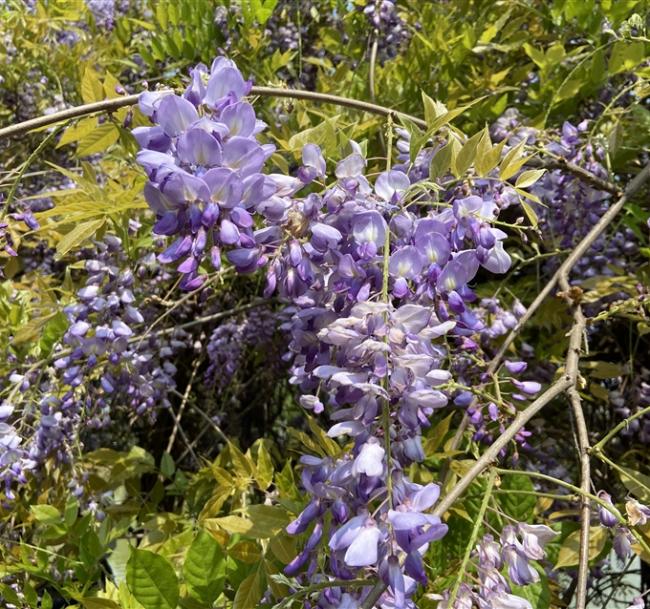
[152,580]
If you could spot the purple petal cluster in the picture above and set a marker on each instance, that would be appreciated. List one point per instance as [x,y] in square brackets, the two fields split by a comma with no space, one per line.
[377,300]
[502,563]
[204,166]
[229,342]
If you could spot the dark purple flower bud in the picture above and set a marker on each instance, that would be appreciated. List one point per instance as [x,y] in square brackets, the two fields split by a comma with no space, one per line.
[607,517]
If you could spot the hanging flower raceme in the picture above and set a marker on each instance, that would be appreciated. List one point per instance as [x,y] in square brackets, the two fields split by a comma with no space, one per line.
[378,304]
[204,166]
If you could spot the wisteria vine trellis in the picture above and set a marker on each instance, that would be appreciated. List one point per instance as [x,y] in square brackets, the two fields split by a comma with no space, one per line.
[340,261]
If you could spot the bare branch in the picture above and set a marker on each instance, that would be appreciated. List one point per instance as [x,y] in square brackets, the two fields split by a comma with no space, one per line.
[111,105]
[179,414]
[572,364]
[565,268]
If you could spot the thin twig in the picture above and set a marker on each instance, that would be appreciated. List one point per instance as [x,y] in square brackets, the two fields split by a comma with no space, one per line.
[181,409]
[623,424]
[553,161]
[478,523]
[565,268]
[21,173]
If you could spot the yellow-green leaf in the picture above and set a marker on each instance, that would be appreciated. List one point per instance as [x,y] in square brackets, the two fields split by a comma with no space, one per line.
[529,177]
[264,467]
[98,140]
[95,602]
[32,329]
[569,554]
[441,161]
[637,483]
[251,590]
[626,55]
[77,236]
[512,162]
[91,87]
[152,580]
[242,463]
[466,155]
[74,133]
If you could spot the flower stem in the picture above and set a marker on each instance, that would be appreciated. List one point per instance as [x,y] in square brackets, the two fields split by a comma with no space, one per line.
[478,523]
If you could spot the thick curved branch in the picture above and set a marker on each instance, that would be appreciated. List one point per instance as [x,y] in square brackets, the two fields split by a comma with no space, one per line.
[111,105]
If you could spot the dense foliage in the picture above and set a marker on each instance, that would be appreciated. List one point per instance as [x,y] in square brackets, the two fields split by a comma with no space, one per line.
[330,304]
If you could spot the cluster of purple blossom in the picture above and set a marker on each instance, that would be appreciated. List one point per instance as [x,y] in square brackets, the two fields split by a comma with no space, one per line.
[390,29]
[203,161]
[230,341]
[638,514]
[518,546]
[375,293]
[571,205]
[100,365]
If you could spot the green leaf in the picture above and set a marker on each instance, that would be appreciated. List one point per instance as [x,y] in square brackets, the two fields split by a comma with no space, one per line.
[77,236]
[437,435]
[570,551]
[74,133]
[529,177]
[441,161]
[529,211]
[94,602]
[91,87]
[204,568]
[152,580]
[626,55]
[251,590]
[71,511]
[432,108]
[467,155]
[487,156]
[118,560]
[637,483]
[263,10]
[518,505]
[242,463]
[537,594]
[265,521]
[512,162]
[264,467]
[47,514]
[98,140]
[167,466]
[32,329]
[323,135]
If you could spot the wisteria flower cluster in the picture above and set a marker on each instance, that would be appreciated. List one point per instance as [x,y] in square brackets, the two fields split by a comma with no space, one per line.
[100,365]
[375,294]
[518,548]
